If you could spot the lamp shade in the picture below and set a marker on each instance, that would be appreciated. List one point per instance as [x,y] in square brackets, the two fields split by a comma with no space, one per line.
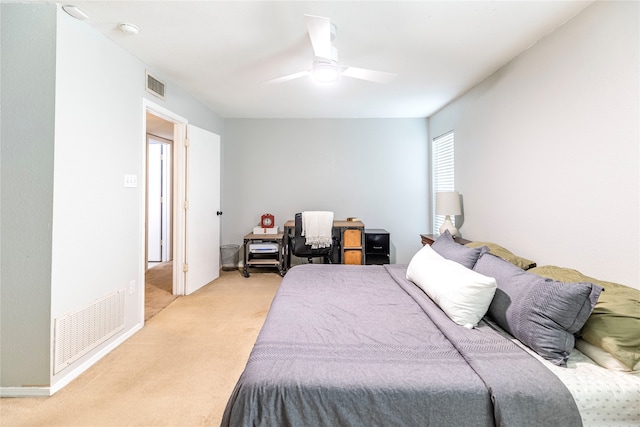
[448,203]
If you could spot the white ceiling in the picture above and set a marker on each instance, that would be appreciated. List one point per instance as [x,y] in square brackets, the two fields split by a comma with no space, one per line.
[222,52]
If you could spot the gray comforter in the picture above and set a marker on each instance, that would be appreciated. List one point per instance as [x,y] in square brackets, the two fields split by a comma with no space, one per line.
[362,346]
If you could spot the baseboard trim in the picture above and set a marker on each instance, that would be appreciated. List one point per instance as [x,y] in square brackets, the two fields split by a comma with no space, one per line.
[74,373]
[25,391]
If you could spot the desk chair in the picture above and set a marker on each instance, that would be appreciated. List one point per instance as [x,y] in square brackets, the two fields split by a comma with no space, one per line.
[301,249]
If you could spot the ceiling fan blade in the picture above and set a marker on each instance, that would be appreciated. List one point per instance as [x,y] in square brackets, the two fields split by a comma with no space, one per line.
[288,77]
[320,34]
[370,75]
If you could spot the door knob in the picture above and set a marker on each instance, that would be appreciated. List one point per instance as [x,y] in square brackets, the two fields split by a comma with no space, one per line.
[218,213]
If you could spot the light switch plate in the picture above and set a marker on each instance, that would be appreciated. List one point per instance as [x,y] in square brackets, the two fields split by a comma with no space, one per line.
[131,181]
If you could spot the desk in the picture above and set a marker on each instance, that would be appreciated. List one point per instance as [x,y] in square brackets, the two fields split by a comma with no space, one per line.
[350,234]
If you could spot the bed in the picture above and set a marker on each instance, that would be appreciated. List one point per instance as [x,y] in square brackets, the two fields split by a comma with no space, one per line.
[366,346]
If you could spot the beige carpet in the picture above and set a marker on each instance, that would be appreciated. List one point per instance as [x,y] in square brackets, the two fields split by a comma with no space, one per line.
[158,289]
[179,370]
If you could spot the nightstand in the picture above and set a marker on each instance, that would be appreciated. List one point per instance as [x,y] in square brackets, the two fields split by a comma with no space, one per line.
[428,239]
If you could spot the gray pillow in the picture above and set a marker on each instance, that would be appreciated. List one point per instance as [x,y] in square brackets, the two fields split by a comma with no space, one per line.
[542,313]
[450,249]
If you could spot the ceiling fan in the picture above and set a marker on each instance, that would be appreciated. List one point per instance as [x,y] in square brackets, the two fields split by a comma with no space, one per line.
[325,65]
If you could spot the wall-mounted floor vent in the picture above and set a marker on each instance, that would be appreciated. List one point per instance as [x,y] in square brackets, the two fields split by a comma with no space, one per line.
[78,333]
[155,86]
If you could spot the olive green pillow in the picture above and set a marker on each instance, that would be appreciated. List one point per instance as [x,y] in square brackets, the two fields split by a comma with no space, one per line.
[614,324]
[505,254]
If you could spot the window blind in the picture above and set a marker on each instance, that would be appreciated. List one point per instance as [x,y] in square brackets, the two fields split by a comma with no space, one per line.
[442,167]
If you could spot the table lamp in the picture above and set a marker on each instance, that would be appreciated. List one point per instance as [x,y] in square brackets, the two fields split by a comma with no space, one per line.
[448,203]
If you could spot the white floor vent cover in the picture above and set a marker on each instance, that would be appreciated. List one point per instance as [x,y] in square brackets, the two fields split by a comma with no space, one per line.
[78,333]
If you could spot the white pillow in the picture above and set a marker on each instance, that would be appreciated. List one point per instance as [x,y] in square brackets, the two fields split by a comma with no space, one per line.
[463,294]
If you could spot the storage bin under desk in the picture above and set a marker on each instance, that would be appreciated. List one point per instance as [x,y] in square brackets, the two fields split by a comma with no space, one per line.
[352,246]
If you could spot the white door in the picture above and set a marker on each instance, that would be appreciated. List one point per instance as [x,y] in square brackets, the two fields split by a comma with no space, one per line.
[202,251]
[154,202]
[158,200]
[166,201]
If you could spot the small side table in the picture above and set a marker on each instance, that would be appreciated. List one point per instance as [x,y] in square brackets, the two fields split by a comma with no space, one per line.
[376,245]
[428,239]
[267,259]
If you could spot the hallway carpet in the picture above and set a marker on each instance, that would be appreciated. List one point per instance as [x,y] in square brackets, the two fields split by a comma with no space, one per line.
[158,289]
[179,370]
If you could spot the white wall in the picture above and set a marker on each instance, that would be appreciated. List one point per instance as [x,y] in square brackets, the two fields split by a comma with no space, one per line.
[547,148]
[374,169]
[98,233]
[90,243]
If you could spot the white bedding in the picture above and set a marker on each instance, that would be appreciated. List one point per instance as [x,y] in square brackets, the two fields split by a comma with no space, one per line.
[605,398]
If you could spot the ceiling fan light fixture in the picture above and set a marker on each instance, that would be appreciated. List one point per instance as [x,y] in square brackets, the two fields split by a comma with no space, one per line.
[325,67]
[325,71]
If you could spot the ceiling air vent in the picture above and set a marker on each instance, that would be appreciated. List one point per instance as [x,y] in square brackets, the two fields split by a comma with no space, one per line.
[155,86]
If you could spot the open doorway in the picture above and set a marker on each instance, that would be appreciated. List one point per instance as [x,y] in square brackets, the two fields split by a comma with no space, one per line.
[159,289]
[195,208]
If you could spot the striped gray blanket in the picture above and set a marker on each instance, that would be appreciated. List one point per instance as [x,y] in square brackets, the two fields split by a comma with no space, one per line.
[348,345]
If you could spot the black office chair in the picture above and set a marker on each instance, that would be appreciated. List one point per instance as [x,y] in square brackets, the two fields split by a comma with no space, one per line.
[301,249]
